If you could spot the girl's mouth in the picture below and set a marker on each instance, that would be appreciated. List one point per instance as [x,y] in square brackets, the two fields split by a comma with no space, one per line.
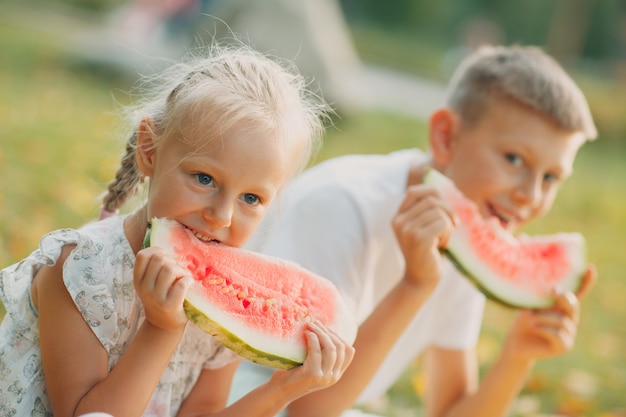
[202,237]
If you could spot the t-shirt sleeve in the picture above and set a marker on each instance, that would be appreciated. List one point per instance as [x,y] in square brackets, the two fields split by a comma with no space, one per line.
[323,232]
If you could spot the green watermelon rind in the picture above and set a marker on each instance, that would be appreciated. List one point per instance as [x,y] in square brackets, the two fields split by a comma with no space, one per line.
[539,302]
[506,298]
[224,336]
[208,318]
[234,343]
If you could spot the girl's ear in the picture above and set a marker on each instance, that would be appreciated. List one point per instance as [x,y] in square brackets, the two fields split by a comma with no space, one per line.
[145,154]
[443,127]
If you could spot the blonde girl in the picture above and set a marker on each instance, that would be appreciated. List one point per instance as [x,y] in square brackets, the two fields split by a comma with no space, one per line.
[95,323]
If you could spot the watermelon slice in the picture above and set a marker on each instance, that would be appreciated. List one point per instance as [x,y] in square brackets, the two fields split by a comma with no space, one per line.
[515,271]
[256,305]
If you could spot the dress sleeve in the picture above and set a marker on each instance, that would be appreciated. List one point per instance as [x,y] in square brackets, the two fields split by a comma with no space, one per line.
[221,357]
[98,277]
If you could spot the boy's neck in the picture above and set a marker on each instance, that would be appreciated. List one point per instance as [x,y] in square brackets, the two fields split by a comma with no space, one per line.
[416,172]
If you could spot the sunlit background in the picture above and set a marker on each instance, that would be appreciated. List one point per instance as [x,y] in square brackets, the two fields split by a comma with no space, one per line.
[66,65]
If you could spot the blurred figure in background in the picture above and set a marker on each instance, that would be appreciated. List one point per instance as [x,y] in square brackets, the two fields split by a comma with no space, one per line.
[312,33]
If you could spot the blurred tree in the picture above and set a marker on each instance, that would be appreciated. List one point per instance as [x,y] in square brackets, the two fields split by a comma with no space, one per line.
[569,29]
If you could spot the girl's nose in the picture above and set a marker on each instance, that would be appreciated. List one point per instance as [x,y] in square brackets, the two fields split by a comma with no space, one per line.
[219,211]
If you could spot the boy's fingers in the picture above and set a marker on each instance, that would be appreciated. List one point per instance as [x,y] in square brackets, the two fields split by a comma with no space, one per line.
[589,279]
[568,303]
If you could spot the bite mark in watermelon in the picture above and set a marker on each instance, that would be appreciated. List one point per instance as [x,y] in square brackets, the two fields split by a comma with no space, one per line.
[254,304]
[517,271]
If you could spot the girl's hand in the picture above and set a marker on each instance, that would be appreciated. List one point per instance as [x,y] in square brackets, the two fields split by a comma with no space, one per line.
[422,225]
[328,356]
[161,284]
[546,333]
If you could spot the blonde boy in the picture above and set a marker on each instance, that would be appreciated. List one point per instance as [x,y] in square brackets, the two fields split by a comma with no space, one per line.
[513,124]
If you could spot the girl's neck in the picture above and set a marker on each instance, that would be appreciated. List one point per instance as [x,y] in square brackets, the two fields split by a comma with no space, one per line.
[135,228]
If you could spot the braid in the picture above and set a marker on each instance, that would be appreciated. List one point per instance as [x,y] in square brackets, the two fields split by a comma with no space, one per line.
[127,178]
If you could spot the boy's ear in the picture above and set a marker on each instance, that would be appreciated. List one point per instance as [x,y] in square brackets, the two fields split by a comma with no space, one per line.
[145,153]
[443,126]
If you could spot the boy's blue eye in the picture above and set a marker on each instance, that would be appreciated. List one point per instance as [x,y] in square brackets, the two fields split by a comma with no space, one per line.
[514,159]
[550,178]
[204,179]
[251,199]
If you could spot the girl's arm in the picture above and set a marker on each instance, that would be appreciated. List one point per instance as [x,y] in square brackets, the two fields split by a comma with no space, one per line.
[75,363]
[327,358]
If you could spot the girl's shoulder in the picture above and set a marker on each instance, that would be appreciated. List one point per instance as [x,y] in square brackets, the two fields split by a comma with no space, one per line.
[91,242]
[97,271]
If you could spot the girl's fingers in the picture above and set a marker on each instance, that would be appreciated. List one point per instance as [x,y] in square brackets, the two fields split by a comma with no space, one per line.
[328,348]
[340,354]
[314,350]
[179,289]
[156,272]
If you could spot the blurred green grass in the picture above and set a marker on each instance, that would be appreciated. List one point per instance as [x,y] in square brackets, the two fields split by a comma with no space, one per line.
[58,152]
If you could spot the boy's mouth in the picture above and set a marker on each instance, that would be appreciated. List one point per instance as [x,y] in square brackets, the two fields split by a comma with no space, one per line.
[507,221]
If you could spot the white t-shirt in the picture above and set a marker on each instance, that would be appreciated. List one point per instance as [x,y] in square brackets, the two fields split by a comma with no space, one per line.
[335,220]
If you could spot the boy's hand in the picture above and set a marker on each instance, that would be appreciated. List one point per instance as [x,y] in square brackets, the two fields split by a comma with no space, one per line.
[538,334]
[161,284]
[422,225]
[328,356]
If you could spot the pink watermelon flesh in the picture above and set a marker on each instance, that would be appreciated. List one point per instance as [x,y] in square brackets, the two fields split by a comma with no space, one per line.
[516,271]
[256,305]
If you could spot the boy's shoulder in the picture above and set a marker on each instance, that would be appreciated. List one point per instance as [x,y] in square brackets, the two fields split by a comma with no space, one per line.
[362,168]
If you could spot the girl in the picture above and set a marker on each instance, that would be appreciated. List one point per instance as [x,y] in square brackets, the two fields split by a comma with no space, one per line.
[95,323]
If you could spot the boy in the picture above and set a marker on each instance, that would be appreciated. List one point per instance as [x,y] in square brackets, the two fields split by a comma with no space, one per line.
[508,137]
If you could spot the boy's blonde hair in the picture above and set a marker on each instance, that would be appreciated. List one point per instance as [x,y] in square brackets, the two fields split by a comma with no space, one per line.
[207,95]
[525,74]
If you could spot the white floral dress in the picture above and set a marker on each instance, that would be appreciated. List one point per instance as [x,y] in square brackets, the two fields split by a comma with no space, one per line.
[98,275]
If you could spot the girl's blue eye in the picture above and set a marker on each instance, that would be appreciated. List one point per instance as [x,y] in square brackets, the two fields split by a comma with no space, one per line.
[251,199]
[514,159]
[204,179]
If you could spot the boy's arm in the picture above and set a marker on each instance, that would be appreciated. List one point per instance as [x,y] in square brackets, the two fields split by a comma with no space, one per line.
[421,225]
[535,335]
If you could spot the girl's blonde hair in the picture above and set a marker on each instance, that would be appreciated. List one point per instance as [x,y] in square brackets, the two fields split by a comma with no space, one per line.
[233,86]
[525,74]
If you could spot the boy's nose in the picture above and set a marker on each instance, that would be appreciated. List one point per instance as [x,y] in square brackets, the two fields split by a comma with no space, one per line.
[528,192]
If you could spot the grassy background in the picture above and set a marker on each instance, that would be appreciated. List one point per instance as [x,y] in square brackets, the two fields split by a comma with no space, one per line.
[58,152]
